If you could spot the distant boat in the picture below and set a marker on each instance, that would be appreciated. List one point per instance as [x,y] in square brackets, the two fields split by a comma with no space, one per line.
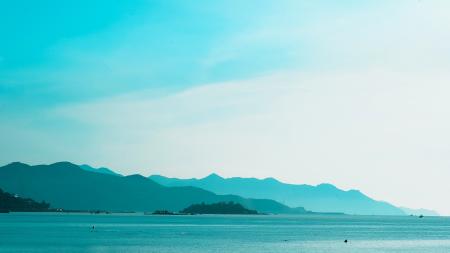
[421,216]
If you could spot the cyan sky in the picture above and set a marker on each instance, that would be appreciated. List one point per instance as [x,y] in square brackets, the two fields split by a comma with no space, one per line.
[353,93]
[59,51]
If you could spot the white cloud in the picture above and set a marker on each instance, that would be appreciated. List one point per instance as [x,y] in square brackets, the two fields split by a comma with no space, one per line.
[376,118]
[399,34]
[358,130]
[368,110]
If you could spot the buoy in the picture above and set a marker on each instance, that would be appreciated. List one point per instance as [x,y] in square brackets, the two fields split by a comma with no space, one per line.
[346,241]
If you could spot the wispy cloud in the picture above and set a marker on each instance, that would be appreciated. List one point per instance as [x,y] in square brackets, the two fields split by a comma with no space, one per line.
[303,92]
[302,125]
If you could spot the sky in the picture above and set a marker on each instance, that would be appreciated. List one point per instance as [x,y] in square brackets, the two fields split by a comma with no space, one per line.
[353,93]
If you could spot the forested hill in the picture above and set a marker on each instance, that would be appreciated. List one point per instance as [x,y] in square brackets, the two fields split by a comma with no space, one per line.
[13,203]
[218,208]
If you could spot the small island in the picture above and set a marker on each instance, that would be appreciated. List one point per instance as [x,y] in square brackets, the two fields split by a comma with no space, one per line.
[162,212]
[14,203]
[218,208]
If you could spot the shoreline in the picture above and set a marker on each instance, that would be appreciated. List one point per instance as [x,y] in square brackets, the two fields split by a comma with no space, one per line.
[140,213]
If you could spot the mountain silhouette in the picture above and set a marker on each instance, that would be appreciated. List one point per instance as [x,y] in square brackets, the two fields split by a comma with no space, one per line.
[320,198]
[66,185]
[99,170]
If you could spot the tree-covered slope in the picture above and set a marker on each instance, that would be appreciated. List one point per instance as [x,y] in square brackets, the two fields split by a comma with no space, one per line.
[14,203]
[66,185]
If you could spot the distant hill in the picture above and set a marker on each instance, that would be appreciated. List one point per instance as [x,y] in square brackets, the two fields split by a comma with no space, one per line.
[421,211]
[66,185]
[320,198]
[218,208]
[14,203]
[99,170]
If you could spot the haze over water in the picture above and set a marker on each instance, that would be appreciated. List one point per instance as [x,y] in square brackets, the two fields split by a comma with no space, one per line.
[67,233]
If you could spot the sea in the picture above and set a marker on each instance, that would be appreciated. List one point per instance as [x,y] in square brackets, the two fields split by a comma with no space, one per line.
[98,233]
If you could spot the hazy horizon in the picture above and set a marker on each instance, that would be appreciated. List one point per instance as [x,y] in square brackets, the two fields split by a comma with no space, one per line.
[212,173]
[352,93]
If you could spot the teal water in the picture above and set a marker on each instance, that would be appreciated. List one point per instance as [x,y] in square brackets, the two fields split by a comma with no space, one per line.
[45,232]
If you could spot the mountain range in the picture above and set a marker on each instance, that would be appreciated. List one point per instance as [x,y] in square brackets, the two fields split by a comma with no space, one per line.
[66,185]
[82,187]
[320,198]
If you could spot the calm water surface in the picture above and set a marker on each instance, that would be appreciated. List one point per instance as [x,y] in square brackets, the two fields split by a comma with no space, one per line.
[45,232]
